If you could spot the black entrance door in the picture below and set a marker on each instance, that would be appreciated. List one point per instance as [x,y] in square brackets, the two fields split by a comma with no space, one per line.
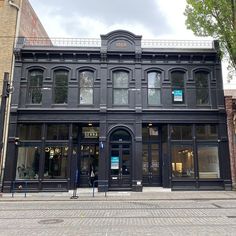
[151,165]
[120,161]
[89,154]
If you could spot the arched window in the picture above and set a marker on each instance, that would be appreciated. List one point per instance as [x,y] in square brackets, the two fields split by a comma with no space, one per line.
[202,88]
[154,88]
[35,82]
[60,86]
[86,79]
[177,85]
[120,135]
[120,88]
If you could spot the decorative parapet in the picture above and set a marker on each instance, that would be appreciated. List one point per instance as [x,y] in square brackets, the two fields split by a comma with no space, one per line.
[93,42]
[181,44]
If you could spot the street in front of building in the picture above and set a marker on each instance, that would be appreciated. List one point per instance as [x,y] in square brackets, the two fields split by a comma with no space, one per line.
[172,213]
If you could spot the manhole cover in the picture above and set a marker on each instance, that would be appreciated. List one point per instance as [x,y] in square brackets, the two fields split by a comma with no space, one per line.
[51,221]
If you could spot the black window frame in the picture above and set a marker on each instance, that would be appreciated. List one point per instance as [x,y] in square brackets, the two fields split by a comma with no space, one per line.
[202,87]
[58,88]
[35,88]
[156,88]
[86,87]
[114,88]
[176,87]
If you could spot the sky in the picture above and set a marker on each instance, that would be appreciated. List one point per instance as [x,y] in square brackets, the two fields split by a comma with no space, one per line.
[153,19]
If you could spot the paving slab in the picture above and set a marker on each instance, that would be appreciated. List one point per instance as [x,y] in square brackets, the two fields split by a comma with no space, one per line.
[86,194]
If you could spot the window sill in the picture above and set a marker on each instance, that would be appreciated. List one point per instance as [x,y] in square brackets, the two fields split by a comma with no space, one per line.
[60,105]
[33,105]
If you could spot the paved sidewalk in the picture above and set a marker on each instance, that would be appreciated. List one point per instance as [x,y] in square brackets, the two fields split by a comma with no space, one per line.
[86,194]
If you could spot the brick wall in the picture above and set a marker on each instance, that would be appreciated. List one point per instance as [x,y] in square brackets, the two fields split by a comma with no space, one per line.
[231,136]
[8,16]
[29,26]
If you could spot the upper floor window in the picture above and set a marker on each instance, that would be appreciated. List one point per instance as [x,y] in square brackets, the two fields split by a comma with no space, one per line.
[202,88]
[154,88]
[60,86]
[35,82]
[86,87]
[177,84]
[120,88]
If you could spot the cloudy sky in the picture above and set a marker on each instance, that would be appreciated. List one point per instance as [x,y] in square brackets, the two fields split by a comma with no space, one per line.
[90,18]
[153,19]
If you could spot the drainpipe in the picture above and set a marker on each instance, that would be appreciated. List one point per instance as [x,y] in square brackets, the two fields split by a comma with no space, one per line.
[11,2]
[8,101]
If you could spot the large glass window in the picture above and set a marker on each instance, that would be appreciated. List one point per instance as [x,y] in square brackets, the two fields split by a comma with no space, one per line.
[60,86]
[182,161]
[120,88]
[202,90]
[28,162]
[57,132]
[86,80]
[150,133]
[35,82]
[208,161]
[154,88]
[206,132]
[181,132]
[177,84]
[55,166]
[30,131]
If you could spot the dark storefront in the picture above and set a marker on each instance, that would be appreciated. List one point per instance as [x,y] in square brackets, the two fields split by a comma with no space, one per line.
[135,116]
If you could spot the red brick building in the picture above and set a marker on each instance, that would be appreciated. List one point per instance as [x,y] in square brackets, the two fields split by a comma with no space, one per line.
[230,103]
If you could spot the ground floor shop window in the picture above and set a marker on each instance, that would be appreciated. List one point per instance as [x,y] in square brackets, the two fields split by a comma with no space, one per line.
[182,161]
[56,158]
[208,161]
[28,162]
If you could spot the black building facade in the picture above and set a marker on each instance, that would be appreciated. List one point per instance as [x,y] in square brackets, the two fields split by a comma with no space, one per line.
[133,115]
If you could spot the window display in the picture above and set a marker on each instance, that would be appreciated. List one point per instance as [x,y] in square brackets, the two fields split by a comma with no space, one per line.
[182,161]
[28,162]
[55,162]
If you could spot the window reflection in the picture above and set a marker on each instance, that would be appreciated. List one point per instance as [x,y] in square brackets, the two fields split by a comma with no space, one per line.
[60,86]
[206,132]
[177,84]
[154,88]
[180,132]
[55,162]
[208,161]
[29,131]
[57,132]
[202,90]
[28,163]
[120,88]
[86,87]
[35,83]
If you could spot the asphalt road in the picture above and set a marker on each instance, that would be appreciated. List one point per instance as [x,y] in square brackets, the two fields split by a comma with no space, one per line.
[126,217]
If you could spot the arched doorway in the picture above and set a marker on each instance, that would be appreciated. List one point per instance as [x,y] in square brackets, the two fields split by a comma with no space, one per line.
[120,164]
